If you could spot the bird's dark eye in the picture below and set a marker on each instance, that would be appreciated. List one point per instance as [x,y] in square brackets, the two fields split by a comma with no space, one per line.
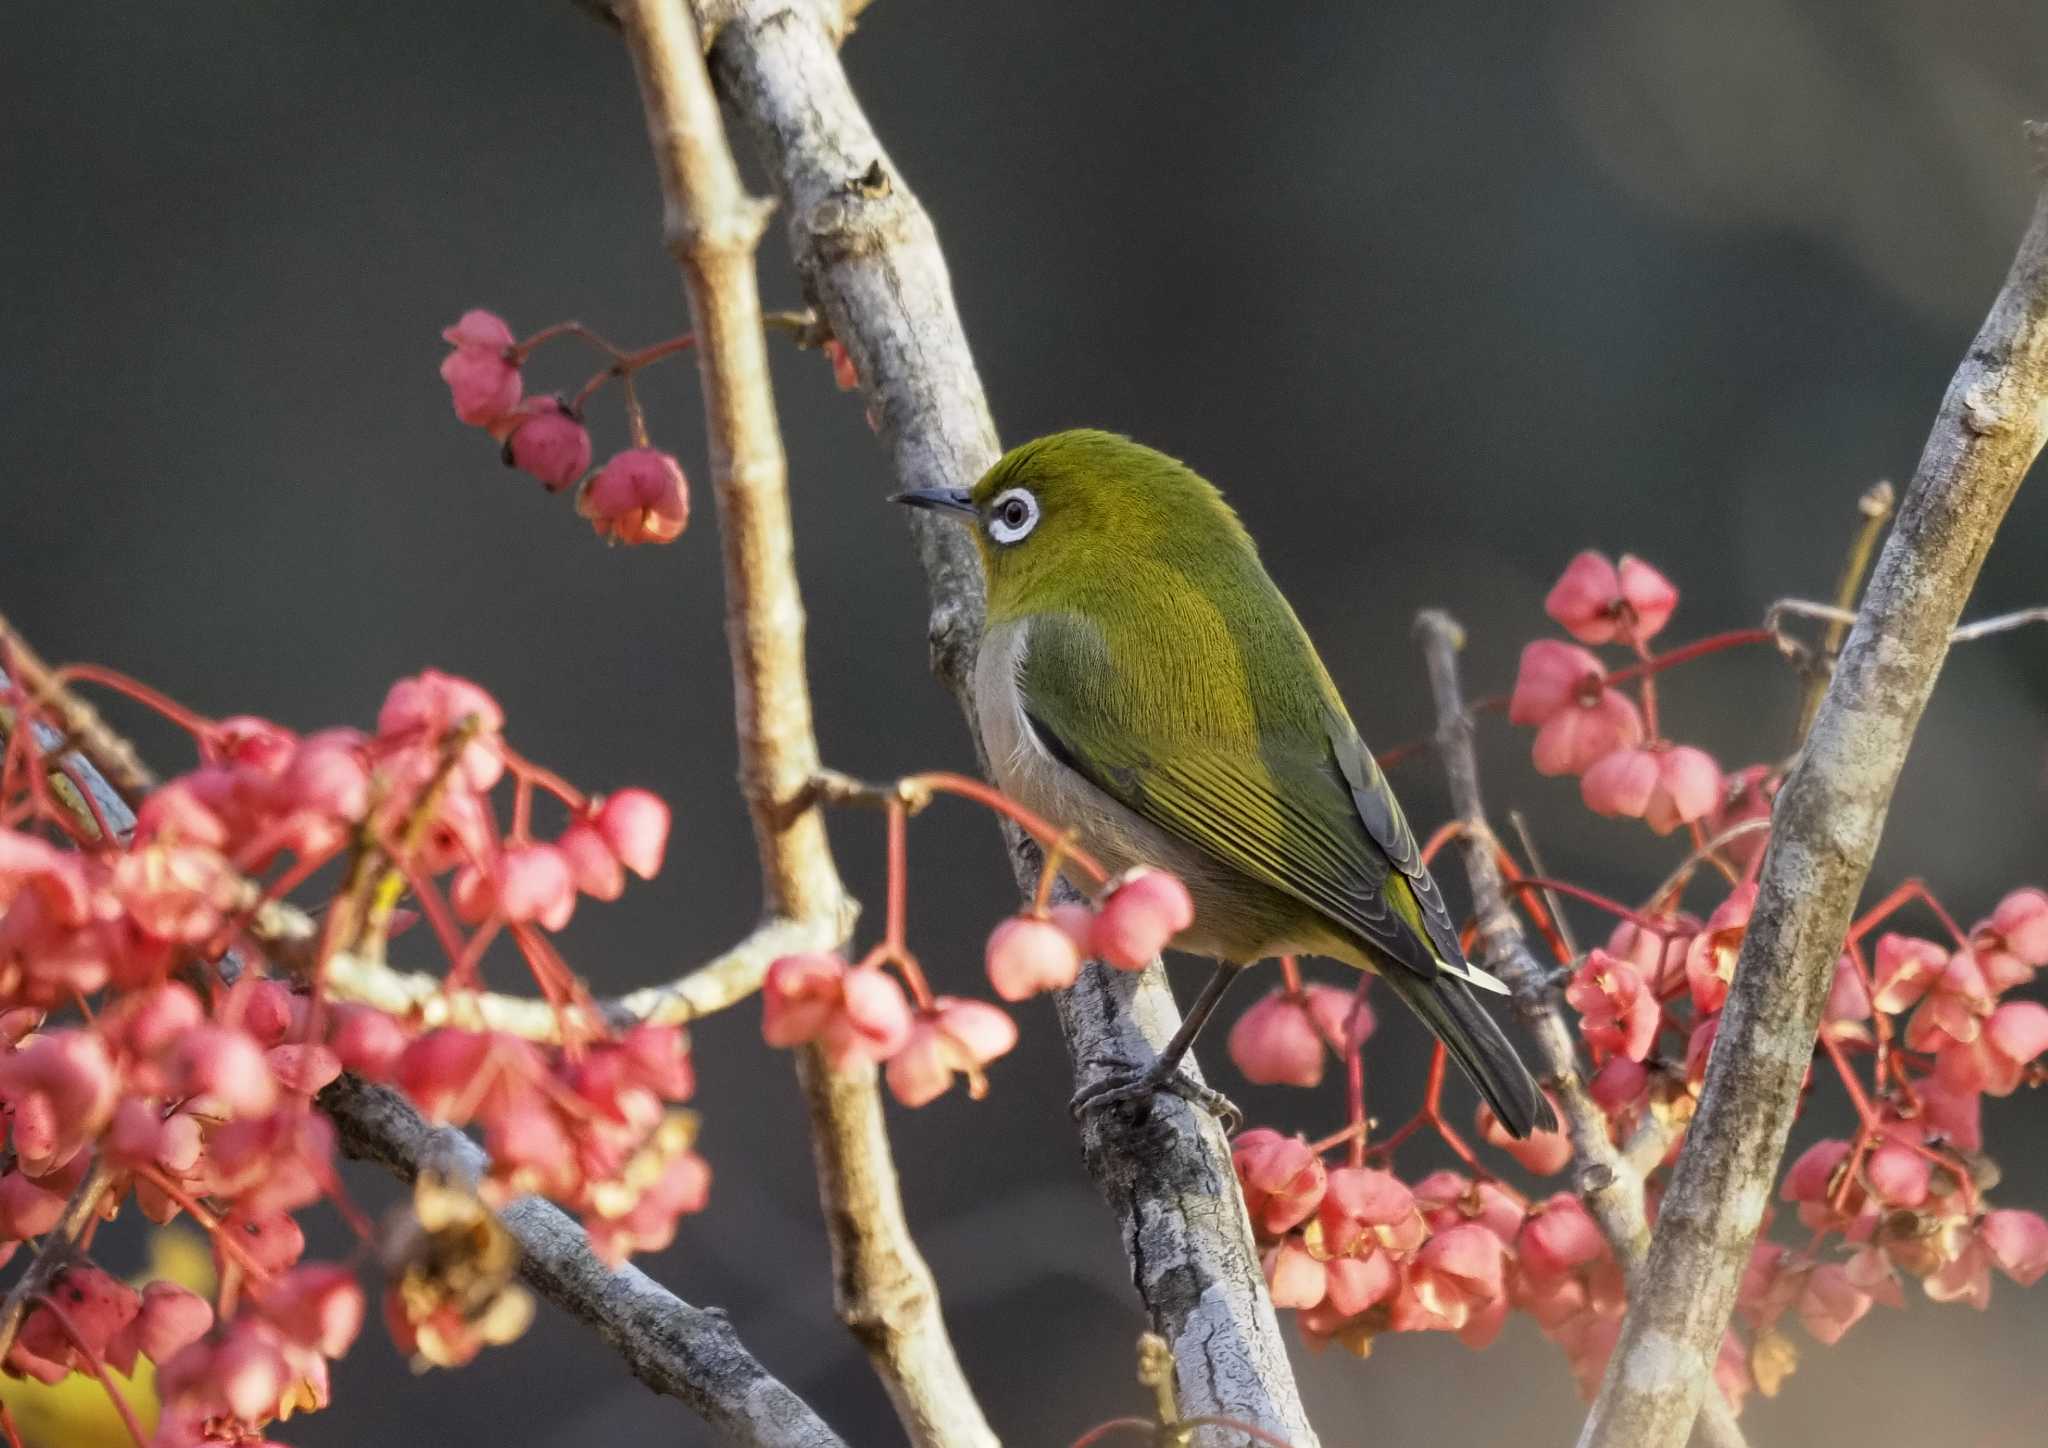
[1012,515]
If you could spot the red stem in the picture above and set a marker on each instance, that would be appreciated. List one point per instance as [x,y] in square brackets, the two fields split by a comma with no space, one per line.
[1115,1425]
[1354,1083]
[942,782]
[528,772]
[1649,693]
[1236,1425]
[229,1247]
[1446,832]
[519,352]
[627,364]
[1914,889]
[1526,884]
[899,873]
[194,724]
[1699,648]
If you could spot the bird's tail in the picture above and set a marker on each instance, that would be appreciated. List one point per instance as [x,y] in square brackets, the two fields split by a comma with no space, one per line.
[1448,1008]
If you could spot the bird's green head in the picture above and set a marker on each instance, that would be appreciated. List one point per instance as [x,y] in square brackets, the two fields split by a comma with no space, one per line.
[1078,516]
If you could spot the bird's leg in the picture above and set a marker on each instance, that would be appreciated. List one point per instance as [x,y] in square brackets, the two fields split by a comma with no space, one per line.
[1165,1074]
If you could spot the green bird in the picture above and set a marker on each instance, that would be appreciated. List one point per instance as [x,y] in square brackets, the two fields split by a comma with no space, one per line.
[1144,683]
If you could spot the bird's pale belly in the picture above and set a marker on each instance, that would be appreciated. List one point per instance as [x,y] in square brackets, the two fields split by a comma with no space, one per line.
[1236,918]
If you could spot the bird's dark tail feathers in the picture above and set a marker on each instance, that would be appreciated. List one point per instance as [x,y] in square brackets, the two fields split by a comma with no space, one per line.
[1448,1008]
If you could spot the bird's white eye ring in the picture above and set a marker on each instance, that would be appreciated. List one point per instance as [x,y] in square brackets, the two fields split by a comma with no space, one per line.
[1012,515]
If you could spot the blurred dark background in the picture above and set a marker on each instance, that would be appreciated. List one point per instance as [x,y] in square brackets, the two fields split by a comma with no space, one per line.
[1439,293]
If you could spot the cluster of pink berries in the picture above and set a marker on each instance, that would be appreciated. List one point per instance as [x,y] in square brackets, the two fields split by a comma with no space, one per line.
[1586,726]
[640,496]
[129,1060]
[859,1012]
[1917,1031]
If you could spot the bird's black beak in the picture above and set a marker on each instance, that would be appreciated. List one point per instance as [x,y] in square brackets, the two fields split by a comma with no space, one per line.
[951,500]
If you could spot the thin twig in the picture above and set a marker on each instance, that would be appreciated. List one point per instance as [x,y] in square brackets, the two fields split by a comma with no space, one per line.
[1876,508]
[1535,864]
[870,261]
[1827,821]
[885,1291]
[1609,1184]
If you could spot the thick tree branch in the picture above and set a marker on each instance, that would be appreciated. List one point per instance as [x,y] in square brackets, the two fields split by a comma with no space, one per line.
[870,262]
[885,1291]
[1609,1183]
[1827,821]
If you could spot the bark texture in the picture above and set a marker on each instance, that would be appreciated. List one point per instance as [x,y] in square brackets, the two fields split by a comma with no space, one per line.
[871,264]
[883,1288]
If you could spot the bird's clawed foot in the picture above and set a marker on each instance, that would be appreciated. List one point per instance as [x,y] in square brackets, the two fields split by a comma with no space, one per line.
[1142,1086]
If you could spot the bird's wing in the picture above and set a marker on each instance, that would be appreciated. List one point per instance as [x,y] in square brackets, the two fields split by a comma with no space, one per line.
[1291,817]
[1381,815]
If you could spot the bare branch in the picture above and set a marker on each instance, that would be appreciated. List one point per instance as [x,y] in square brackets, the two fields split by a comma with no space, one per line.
[426,1001]
[689,1353]
[1609,1183]
[870,262]
[885,1290]
[1827,822]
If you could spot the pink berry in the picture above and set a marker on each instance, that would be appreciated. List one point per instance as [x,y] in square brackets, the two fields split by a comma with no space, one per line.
[1585,732]
[1144,911]
[640,496]
[320,1307]
[170,1318]
[1622,783]
[1294,1278]
[1552,676]
[1689,788]
[1585,597]
[483,384]
[1598,603]
[1650,597]
[532,883]
[1363,1210]
[635,823]
[1559,1237]
[548,442]
[1543,1153]
[1276,1043]
[799,996]
[227,1066]
[1283,1180]
[592,865]
[1027,955]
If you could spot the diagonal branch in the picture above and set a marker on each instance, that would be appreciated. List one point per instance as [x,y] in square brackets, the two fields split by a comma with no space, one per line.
[1827,821]
[870,261]
[1609,1183]
[884,1289]
[686,1352]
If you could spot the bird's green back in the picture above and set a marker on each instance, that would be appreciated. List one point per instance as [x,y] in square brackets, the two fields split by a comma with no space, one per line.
[1166,666]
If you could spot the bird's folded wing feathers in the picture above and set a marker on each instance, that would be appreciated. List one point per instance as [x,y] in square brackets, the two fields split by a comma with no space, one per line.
[1381,814]
[1292,819]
